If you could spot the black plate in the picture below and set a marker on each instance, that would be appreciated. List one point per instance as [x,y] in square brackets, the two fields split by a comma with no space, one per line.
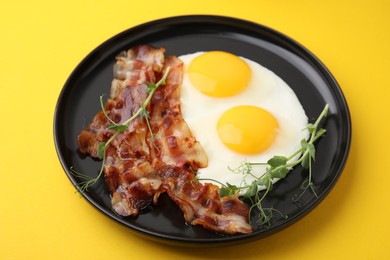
[311,81]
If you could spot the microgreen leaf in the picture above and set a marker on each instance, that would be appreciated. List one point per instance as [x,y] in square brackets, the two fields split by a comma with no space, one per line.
[311,128]
[101,150]
[309,147]
[151,86]
[144,114]
[312,150]
[119,128]
[224,192]
[280,172]
[320,132]
[305,161]
[264,180]
[277,161]
[304,143]
[252,190]
[228,190]
[233,187]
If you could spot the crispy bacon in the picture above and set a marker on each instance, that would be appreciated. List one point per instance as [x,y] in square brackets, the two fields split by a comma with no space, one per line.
[133,68]
[201,203]
[141,165]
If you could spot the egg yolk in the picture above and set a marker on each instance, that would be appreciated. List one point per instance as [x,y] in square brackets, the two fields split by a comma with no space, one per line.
[247,129]
[219,74]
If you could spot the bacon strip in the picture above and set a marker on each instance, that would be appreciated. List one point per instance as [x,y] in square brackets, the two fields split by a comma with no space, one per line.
[202,205]
[132,69]
[140,165]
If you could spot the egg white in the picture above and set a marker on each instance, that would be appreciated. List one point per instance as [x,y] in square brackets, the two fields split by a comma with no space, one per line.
[265,90]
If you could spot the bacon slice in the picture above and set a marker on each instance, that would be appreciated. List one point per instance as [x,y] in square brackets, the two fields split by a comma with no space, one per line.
[141,165]
[202,205]
[132,69]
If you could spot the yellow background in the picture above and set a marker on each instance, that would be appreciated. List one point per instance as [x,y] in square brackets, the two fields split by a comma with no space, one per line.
[41,42]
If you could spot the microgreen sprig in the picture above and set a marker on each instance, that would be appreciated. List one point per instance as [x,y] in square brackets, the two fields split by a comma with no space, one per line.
[277,168]
[142,113]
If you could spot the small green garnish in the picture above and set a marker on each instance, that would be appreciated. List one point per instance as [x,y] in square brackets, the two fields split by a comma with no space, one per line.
[104,110]
[119,129]
[277,168]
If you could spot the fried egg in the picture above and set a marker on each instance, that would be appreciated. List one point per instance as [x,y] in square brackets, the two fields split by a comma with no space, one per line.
[240,112]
